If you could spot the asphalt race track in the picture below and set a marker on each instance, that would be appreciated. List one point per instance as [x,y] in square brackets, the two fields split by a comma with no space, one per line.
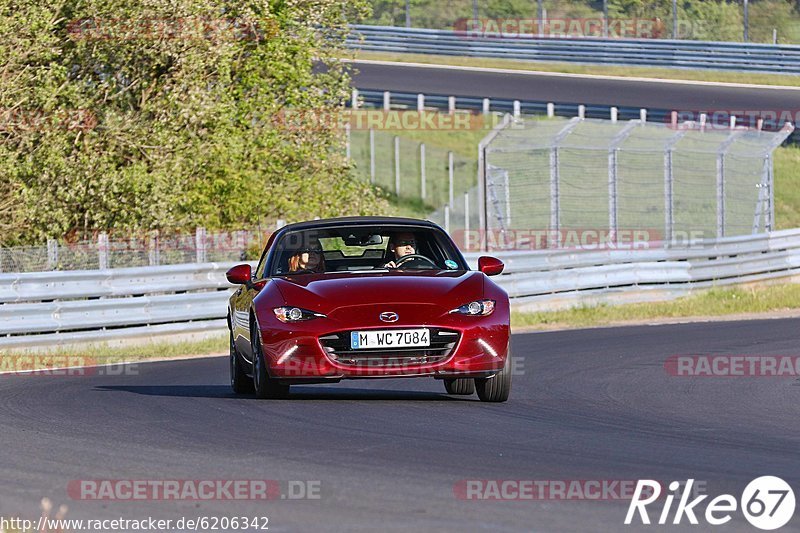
[575,90]
[585,405]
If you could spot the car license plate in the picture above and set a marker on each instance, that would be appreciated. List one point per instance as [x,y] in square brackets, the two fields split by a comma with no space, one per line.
[397,338]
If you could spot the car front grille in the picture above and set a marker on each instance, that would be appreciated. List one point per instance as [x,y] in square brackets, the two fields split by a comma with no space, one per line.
[337,345]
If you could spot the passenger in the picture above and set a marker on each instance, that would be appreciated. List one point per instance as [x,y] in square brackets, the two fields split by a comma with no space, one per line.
[309,259]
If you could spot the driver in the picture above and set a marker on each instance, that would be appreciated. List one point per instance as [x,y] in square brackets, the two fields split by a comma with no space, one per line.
[401,244]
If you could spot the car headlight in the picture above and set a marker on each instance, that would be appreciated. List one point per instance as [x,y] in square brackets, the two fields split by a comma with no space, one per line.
[295,314]
[476,308]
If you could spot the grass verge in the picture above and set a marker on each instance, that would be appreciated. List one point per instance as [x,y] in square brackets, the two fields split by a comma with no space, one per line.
[711,303]
[783,80]
[101,354]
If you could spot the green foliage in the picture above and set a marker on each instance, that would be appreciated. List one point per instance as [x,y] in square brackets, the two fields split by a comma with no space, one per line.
[186,130]
[718,20]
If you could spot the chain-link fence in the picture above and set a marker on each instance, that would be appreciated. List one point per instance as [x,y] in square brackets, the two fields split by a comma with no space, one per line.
[764,21]
[556,179]
[105,250]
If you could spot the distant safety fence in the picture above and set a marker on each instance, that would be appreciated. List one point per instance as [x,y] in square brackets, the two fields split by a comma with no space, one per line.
[743,57]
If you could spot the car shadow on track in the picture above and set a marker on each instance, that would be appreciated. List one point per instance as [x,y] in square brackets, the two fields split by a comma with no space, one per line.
[300,392]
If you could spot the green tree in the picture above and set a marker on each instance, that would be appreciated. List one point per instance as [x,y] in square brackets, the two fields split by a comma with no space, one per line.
[185,94]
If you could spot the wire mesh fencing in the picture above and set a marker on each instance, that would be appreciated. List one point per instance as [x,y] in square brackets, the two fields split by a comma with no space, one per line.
[562,183]
[104,250]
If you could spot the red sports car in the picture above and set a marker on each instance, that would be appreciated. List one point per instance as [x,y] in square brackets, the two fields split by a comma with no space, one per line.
[368,297]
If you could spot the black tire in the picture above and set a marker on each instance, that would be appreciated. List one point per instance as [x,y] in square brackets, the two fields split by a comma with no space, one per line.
[497,388]
[240,381]
[265,387]
[460,386]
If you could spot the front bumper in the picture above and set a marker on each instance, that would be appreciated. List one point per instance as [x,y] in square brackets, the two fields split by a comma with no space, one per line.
[299,354]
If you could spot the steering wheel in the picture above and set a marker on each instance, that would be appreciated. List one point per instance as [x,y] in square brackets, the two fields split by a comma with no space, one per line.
[410,257]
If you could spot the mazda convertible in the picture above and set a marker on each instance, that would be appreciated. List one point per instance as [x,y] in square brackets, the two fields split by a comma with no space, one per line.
[368,297]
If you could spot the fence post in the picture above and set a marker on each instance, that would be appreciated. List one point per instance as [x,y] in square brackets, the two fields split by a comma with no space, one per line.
[770,193]
[348,152]
[52,254]
[371,155]
[450,178]
[153,252]
[422,172]
[102,250]
[466,220]
[200,245]
[397,165]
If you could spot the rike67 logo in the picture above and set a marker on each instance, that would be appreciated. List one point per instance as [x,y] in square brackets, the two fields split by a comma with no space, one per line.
[767,503]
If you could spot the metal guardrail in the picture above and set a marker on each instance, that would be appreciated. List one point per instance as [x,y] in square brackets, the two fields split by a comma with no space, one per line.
[745,57]
[50,308]
[375,98]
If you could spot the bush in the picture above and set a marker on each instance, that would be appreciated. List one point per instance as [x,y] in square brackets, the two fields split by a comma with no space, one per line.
[185,131]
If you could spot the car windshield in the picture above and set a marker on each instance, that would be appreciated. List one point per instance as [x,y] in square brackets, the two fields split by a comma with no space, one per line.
[365,249]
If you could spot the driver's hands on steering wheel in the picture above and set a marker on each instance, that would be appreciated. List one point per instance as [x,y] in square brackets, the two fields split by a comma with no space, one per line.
[408,259]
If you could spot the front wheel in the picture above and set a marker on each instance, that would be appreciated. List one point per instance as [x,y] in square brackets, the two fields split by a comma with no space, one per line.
[497,388]
[240,381]
[265,386]
[460,386]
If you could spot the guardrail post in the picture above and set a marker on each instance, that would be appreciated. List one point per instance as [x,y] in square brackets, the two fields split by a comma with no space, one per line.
[643,115]
[551,110]
[447,218]
[517,108]
[397,165]
[371,155]
[102,251]
[422,173]
[153,252]
[582,111]
[387,100]
[486,106]
[614,115]
[451,104]
[450,178]
[200,245]
[420,103]
[354,99]
[52,254]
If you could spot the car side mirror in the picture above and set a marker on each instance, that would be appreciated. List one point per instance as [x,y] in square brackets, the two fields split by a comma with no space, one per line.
[491,266]
[240,275]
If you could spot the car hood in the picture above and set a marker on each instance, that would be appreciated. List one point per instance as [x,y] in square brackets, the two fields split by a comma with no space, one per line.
[326,293]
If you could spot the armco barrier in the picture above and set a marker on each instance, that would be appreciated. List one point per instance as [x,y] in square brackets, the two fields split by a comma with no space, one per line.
[48,308]
[745,57]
